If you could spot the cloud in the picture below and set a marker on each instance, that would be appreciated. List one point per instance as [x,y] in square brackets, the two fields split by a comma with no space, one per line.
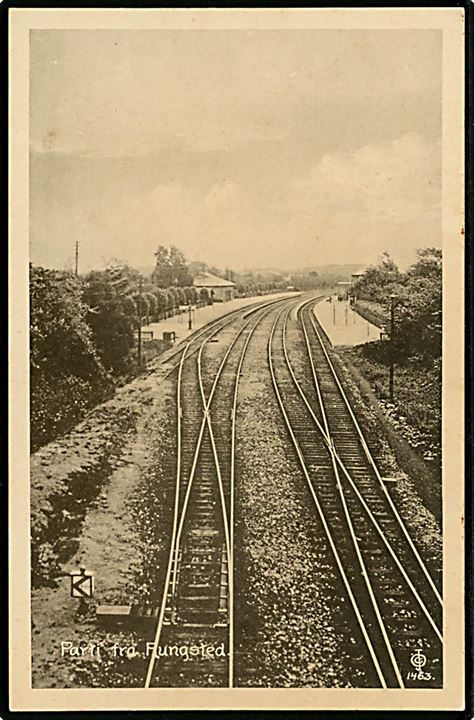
[345,207]
[400,180]
[243,148]
[222,195]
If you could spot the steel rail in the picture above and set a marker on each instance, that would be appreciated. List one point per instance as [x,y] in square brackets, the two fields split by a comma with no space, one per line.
[228,516]
[206,409]
[333,449]
[221,323]
[347,515]
[173,553]
[172,557]
[164,598]
[375,468]
[321,514]
[227,318]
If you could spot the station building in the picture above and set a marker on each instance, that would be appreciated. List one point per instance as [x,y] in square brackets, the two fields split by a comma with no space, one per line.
[219,289]
[355,277]
[342,289]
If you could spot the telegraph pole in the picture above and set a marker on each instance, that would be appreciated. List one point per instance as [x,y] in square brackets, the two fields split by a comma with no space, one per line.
[392,327]
[139,312]
[77,257]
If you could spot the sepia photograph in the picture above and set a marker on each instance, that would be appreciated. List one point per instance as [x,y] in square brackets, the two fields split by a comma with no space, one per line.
[237,291]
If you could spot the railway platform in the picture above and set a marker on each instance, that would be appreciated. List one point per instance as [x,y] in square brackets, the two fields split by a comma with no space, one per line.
[343,325]
[179,325]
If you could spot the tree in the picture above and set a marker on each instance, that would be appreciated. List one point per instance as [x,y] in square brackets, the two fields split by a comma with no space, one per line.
[196,267]
[179,268]
[67,377]
[379,281]
[152,305]
[168,302]
[161,302]
[419,307]
[429,264]
[417,301]
[173,297]
[307,280]
[112,316]
[170,269]
[162,276]
[181,296]
[142,306]
[191,295]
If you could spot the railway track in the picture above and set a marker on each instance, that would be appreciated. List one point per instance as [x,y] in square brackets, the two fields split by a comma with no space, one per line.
[172,362]
[193,644]
[393,604]
[391,607]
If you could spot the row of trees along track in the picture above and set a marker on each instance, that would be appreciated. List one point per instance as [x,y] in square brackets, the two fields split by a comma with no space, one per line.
[84,333]
[391,604]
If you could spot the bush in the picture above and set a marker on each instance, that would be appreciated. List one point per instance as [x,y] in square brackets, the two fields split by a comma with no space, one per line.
[416,410]
[67,377]
[112,317]
[417,301]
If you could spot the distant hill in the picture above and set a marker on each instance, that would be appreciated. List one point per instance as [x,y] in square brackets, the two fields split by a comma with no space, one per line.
[336,270]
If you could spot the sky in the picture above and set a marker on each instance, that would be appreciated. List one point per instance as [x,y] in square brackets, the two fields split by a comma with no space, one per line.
[246,149]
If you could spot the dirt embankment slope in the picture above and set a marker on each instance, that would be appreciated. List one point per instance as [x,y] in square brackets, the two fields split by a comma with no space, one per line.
[93,504]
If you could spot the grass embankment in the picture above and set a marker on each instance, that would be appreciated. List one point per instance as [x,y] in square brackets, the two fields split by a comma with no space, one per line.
[416,407]
[371,311]
[413,419]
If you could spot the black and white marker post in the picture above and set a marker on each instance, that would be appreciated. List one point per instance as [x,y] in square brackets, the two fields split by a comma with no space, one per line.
[82,587]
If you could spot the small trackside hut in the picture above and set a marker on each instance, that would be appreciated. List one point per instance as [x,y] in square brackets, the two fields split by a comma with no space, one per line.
[219,289]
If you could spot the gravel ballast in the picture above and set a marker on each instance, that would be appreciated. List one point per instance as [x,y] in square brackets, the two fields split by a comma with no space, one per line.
[286,628]
[102,497]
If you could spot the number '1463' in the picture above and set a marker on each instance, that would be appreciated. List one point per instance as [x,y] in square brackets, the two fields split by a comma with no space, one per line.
[420,675]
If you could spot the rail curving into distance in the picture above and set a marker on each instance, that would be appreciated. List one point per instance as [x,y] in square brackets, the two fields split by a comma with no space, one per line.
[344,482]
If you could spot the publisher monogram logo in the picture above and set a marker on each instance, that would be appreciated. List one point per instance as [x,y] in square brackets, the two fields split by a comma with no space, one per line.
[418,660]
